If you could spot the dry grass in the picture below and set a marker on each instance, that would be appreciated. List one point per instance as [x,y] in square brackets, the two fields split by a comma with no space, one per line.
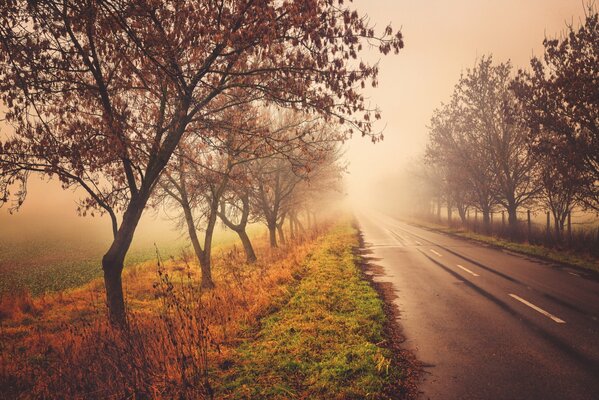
[17,306]
[59,345]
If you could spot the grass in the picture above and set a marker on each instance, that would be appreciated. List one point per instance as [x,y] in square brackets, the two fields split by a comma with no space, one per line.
[51,266]
[301,323]
[324,341]
[46,342]
[569,258]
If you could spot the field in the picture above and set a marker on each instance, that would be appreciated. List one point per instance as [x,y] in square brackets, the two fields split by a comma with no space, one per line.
[40,264]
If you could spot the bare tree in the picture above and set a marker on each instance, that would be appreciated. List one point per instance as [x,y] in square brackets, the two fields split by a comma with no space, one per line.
[493,115]
[481,132]
[275,178]
[455,150]
[560,181]
[235,213]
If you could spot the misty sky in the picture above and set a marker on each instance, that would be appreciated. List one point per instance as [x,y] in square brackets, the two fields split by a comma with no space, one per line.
[441,38]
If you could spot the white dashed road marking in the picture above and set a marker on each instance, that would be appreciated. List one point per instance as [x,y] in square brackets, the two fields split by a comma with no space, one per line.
[538,309]
[467,270]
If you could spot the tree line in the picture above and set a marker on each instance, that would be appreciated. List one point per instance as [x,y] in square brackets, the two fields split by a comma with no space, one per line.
[508,140]
[218,107]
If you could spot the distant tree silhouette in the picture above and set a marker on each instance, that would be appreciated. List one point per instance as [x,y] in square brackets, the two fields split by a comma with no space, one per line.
[480,135]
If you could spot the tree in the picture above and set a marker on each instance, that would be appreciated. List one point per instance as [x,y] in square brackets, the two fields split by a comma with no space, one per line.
[560,184]
[205,166]
[494,116]
[276,178]
[561,98]
[235,213]
[482,132]
[456,150]
[321,185]
[198,188]
[101,93]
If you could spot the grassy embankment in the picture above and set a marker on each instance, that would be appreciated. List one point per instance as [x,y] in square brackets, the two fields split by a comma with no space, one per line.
[545,253]
[302,323]
[324,341]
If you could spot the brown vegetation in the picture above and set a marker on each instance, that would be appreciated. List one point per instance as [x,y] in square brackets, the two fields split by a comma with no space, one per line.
[179,337]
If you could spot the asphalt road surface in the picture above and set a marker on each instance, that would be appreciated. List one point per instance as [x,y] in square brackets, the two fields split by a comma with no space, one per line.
[486,323]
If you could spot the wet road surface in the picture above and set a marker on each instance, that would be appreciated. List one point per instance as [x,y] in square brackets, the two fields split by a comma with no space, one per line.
[487,323]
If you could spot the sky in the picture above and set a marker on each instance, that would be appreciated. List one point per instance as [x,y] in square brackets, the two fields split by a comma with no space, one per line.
[441,39]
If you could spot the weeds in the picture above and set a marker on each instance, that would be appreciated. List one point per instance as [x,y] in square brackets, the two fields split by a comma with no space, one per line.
[17,305]
[299,323]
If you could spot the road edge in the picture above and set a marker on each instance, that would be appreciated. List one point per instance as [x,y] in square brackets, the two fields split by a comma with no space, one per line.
[587,272]
[403,359]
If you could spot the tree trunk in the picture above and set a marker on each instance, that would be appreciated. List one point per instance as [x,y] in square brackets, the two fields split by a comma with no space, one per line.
[207,282]
[204,261]
[558,233]
[114,292]
[299,225]
[291,228]
[250,255]
[486,221]
[281,234]
[112,262]
[272,228]
[560,220]
[512,218]
[462,213]
[206,267]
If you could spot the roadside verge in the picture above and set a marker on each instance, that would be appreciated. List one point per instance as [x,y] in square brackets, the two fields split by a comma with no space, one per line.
[331,339]
[568,259]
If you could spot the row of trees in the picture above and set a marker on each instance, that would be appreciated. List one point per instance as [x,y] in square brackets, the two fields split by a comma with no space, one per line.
[125,99]
[506,141]
[263,168]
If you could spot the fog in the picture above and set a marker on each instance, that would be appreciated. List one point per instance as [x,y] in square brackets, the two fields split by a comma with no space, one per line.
[441,39]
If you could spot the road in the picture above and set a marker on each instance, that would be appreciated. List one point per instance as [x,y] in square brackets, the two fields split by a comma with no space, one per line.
[487,323]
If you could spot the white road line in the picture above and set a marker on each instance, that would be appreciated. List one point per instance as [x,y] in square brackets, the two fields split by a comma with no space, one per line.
[545,313]
[436,253]
[467,270]
[572,273]
[417,242]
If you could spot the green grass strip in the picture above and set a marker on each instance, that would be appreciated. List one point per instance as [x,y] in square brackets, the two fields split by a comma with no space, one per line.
[321,344]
